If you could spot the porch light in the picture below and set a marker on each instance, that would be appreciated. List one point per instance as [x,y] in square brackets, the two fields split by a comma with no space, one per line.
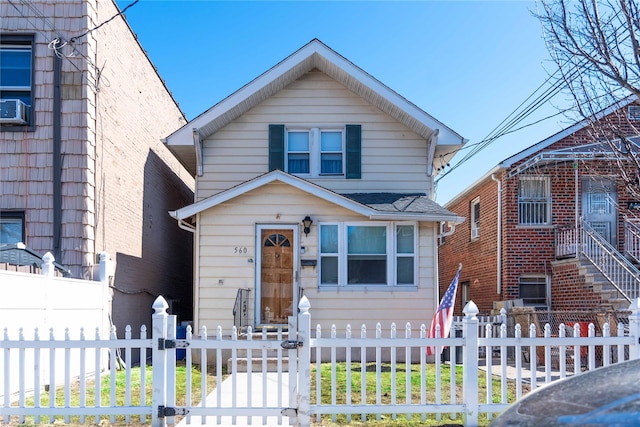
[306,222]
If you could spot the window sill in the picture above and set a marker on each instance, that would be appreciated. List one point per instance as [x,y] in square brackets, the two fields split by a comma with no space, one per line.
[534,226]
[17,128]
[367,288]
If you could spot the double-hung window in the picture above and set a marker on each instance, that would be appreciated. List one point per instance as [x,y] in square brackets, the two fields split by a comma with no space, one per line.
[380,254]
[534,200]
[475,218]
[16,76]
[332,152]
[11,227]
[315,151]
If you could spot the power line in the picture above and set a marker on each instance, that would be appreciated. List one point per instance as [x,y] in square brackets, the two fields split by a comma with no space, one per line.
[506,126]
[74,39]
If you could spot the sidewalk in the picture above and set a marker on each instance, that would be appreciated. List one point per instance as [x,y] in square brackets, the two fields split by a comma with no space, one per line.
[242,400]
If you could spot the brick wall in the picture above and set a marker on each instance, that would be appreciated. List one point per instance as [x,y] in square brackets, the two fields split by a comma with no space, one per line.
[530,250]
[569,290]
[478,256]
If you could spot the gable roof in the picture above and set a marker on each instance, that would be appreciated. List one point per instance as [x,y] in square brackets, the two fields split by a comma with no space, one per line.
[380,206]
[580,151]
[313,55]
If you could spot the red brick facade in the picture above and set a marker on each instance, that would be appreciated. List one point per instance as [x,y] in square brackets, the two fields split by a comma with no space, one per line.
[527,250]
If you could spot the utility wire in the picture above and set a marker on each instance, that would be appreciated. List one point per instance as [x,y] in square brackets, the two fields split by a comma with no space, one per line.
[74,39]
[506,126]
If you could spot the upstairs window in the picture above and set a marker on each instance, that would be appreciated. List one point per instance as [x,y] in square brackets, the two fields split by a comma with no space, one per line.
[534,200]
[298,152]
[12,227]
[16,76]
[634,112]
[316,152]
[475,218]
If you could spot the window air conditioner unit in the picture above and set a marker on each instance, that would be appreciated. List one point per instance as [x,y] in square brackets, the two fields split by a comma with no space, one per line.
[475,232]
[13,111]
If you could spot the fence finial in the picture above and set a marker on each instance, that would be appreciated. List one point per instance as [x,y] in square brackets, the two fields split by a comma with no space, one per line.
[48,268]
[304,304]
[160,305]
[471,310]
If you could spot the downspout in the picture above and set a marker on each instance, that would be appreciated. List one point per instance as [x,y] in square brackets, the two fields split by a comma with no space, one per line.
[57,158]
[196,295]
[197,144]
[499,238]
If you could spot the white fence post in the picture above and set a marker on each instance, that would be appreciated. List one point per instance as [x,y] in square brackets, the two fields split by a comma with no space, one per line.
[106,268]
[634,329]
[159,358]
[304,366]
[48,269]
[470,364]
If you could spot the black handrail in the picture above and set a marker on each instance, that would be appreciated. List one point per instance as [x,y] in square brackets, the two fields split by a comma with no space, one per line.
[241,310]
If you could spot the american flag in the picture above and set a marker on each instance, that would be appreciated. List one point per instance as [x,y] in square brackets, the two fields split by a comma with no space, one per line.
[444,313]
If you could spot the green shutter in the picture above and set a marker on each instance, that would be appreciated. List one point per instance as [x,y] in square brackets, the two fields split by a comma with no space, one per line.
[353,138]
[276,147]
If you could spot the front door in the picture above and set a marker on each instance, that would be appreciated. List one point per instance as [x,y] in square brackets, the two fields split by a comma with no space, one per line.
[276,287]
[599,200]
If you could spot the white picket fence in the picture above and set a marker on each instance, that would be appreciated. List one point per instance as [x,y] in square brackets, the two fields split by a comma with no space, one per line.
[523,361]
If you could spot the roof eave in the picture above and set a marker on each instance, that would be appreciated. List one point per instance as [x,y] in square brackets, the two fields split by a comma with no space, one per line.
[315,54]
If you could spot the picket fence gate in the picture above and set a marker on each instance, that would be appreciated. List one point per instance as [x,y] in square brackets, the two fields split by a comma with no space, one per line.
[252,399]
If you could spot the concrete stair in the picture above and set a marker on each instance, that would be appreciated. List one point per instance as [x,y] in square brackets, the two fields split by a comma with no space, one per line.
[611,297]
[242,360]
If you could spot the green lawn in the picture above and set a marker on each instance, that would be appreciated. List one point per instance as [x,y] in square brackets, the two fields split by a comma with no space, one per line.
[105,395]
[386,394]
[326,373]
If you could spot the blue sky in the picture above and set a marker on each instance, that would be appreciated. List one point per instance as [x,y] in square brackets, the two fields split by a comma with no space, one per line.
[469,64]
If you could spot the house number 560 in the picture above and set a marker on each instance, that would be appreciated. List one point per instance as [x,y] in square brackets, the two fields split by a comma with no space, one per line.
[238,250]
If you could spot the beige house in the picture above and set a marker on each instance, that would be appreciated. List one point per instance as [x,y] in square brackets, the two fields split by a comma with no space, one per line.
[314,179]
[82,166]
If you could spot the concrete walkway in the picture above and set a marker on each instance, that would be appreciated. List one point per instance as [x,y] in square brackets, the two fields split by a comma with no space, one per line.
[242,399]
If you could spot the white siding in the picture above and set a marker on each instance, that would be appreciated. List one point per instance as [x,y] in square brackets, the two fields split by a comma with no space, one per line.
[394,158]
[233,224]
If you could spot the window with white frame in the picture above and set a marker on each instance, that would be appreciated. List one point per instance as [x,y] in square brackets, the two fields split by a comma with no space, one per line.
[315,151]
[634,112]
[381,254]
[534,290]
[16,73]
[475,218]
[534,200]
[11,227]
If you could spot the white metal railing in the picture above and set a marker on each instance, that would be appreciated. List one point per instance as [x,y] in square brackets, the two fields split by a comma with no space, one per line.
[632,238]
[566,242]
[620,272]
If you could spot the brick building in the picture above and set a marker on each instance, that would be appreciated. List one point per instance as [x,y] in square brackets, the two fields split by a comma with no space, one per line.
[82,166]
[552,226]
